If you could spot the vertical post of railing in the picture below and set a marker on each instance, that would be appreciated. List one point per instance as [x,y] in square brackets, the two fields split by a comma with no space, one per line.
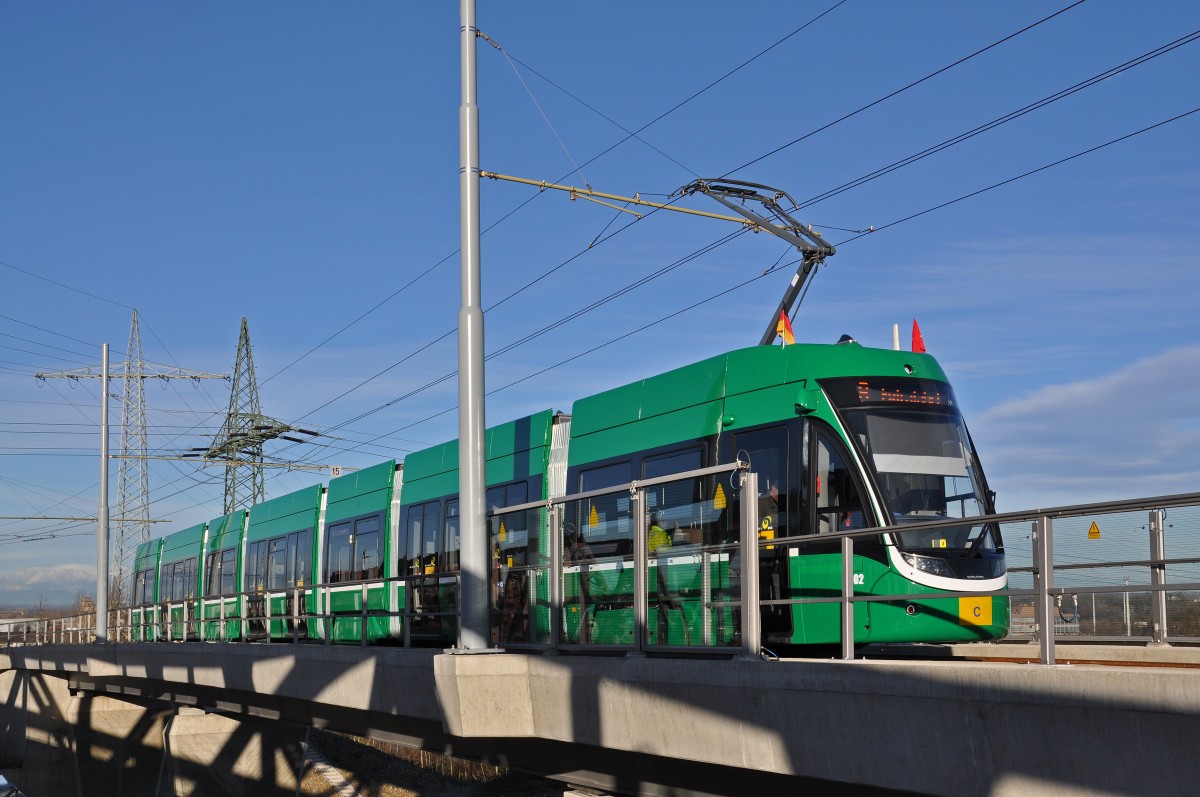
[637,513]
[847,594]
[221,633]
[408,612]
[1158,578]
[297,596]
[362,639]
[327,615]
[554,529]
[266,602]
[1043,562]
[751,619]
[201,631]
[706,612]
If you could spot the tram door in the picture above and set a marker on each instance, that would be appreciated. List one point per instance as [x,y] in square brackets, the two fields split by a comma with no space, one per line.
[770,451]
[832,503]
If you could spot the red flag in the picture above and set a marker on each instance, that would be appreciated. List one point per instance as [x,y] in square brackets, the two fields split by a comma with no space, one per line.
[784,329]
[918,342]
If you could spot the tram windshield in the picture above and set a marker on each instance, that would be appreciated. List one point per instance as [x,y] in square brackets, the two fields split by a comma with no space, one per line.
[914,439]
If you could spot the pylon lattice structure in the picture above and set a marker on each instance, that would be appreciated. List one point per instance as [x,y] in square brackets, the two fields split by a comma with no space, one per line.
[133,474]
[133,478]
[240,441]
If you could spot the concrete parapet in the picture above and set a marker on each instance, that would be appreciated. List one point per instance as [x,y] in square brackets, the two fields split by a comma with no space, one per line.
[985,729]
[929,727]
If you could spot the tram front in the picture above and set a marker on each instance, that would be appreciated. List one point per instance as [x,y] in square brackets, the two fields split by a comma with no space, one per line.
[912,439]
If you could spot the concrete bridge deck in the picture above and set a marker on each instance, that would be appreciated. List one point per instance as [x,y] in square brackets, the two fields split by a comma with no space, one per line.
[678,726]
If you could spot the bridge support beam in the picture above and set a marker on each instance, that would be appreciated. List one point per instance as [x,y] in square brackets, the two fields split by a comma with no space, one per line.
[54,742]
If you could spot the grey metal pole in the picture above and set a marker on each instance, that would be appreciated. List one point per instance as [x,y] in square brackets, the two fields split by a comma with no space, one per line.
[102,525]
[473,598]
[1043,560]
[847,594]
[1158,577]
[751,619]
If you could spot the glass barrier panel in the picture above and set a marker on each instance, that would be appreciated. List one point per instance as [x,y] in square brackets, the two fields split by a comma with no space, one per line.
[692,578]
[597,572]
[521,578]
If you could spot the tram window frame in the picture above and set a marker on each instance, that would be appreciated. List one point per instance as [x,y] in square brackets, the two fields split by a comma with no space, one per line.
[825,437]
[220,574]
[300,557]
[373,536]
[418,518]
[516,527]
[673,504]
[276,563]
[344,539]
[617,541]
[256,566]
[181,577]
[787,521]
[148,593]
[451,536]
[228,565]
[338,540]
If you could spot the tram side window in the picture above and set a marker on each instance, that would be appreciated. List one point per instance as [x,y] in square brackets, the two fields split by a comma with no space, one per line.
[453,537]
[277,563]
[682,508]
[221,572]
[299,557]
[228,571]
[256,566]
[139,587]
[182,578]
[420,539]
[839,507]
[339,565]
[367,555]
[148,587]
[604,519]
[510,532]
[769,456]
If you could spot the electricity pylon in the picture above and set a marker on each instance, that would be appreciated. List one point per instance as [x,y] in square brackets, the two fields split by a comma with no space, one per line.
[240,441]
[133,479]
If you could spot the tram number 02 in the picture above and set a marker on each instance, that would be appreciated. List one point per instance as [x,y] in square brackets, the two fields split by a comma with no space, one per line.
[859,579]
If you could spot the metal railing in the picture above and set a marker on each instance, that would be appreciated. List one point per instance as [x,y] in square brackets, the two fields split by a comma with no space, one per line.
[532,608]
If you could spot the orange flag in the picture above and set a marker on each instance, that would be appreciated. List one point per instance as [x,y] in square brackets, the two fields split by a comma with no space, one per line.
[784,329]
[918,342]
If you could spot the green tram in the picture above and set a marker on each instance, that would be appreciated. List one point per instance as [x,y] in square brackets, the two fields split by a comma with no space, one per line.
[842,437]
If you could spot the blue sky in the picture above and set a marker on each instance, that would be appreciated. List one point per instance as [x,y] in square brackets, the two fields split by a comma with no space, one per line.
[297,163]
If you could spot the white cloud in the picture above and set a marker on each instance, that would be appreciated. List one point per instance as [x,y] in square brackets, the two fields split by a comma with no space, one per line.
[1129,433]
[57,584]
[56,577]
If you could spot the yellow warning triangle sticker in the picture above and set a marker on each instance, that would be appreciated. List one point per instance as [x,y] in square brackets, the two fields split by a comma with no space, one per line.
[594,518]
[1094,531]
[719,498]
[503,532]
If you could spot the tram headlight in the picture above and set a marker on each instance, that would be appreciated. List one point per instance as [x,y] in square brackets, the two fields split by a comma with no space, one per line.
[929,564]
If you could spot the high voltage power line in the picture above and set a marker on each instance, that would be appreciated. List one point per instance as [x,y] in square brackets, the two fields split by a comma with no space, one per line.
[742,284]
[826,126]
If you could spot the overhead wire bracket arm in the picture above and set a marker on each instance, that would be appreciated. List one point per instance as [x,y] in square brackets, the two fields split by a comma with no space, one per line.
[593,195]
